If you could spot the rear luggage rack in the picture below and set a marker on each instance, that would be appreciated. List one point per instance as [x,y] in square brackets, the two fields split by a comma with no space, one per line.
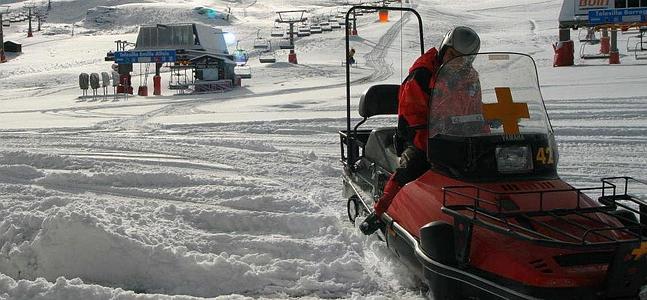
[551,227]
[612,200]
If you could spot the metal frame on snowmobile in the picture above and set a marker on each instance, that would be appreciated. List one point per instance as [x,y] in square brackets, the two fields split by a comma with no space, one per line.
[468,209]
[355,139]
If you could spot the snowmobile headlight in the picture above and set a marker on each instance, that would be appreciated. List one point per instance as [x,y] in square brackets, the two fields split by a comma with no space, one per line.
[515,159]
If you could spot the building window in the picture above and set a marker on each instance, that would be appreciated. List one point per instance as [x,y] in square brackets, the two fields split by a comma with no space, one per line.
[633,3]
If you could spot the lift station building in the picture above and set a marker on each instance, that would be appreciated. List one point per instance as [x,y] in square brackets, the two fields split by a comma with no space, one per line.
[182,46]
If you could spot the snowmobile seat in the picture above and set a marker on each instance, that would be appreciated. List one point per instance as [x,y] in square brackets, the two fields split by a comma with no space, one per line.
[381,99]
[380,148]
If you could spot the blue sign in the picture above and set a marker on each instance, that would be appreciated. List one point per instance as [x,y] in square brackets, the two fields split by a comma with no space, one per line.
[134,57]
[617,16]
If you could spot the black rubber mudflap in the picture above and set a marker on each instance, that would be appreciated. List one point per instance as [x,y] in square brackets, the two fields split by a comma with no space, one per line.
[437,241]
[628,271]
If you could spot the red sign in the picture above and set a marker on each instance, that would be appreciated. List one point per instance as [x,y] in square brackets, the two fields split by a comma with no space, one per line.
[588,4]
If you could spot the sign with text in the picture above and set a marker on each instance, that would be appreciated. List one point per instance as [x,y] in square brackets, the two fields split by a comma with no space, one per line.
[617,16]
[583,7]
[134,57]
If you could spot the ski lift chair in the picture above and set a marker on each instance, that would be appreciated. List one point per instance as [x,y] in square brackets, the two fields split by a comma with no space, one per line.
[179,79]
[261,43]
[285,44]
[587,38]
[303,31]
[595,55]
[587,35]
[244,72]
[325,26]
[315,29]
[632,45]
[631,42]
[304,28]
[641,46]
[334,22]
[342,22]
[277,31]
[640,52]
[267,57]
[241,57]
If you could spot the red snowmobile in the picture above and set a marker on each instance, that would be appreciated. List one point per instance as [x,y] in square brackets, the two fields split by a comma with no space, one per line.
[492,219]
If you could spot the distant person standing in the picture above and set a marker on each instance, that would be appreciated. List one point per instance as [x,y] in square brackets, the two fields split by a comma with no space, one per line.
[351,56]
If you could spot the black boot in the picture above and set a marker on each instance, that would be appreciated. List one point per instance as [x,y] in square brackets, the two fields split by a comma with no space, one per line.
[371,224]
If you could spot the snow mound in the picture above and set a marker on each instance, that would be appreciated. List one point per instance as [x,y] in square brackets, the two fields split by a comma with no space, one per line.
[79,241]
[120,180]
[43,161]
[19,172]
[136,14]
[41,289]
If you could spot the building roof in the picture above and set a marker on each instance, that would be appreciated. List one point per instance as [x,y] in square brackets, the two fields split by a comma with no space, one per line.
[11,43]
[186,36]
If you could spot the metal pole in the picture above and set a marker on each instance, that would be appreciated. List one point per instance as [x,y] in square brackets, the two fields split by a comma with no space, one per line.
[614,55]
[29,33]
[292,34]
[2,56]
[564,34]
[614,40]
[643,218]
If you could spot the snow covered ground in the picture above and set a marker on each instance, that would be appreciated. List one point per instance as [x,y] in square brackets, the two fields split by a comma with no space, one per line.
[237,195]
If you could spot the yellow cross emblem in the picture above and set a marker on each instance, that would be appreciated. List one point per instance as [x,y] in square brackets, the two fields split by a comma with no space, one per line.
[640,251]
[506,110]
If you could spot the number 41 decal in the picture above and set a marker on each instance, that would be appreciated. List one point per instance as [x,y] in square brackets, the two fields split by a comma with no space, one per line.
[545,156]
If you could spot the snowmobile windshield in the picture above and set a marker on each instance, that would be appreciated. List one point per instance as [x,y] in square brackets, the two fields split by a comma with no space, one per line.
[487,94]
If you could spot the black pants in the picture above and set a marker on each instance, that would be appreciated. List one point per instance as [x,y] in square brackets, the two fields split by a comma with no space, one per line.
[413,163]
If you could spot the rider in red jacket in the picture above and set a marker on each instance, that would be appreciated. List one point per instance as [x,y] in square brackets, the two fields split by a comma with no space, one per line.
[413,114]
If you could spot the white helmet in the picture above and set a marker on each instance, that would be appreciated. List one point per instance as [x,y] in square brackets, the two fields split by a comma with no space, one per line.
[462,39]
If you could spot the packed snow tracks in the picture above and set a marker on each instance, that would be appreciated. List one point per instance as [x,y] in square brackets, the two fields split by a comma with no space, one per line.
[244,209]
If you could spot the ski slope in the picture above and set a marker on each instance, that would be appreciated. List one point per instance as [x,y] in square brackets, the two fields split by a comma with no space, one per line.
[238,195]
